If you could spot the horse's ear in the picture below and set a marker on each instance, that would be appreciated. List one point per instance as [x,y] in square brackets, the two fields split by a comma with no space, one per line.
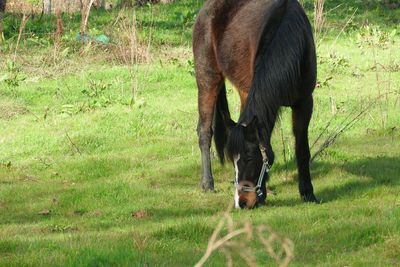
[251,129]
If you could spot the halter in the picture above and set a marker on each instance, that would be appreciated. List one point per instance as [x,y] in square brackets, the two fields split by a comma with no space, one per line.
[265,169]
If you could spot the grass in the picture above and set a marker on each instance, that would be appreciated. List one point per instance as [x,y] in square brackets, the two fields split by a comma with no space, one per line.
[123,189]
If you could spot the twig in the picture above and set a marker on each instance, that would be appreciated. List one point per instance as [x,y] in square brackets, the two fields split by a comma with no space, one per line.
[344,27]
[85,14]
[332,9]
[347,124]
[72,143]
[286,250]
[283,141]
[323,131]
[43,161]
[183,111]
[319,17]
[227,244]
[86,6]
[21,30]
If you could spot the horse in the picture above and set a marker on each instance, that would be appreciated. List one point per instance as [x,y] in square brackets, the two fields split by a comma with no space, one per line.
[266,49]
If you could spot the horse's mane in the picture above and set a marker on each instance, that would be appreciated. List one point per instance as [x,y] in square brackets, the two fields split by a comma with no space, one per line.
[277,73]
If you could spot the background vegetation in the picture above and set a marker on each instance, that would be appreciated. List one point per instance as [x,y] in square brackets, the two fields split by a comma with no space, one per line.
[99,162]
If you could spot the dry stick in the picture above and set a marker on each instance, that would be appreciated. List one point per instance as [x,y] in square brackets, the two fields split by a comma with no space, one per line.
[248,257]
[149,41]
[283,257]
[210,243]
[150,32]
[58,35]
[228,256]
[323,131]
[85,17]
[323,37]
[282,139]
[134,58]
[351,113]
[44,162]
[286,249]
[72,143]
[21,30]
[219,243]
[319,18]
[344,27]
[341,31]
[332,138]
[347,125]
[332,9]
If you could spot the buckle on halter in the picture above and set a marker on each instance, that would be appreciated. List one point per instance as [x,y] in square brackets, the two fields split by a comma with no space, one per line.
[259,192]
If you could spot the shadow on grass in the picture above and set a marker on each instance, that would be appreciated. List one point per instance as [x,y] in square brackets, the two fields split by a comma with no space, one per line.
[372,172]
[379,171]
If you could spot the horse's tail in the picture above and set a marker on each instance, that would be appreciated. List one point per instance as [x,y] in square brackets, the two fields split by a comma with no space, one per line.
[285,45]
[222,123]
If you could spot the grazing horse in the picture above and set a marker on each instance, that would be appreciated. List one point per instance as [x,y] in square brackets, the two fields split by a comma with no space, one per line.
[267,51]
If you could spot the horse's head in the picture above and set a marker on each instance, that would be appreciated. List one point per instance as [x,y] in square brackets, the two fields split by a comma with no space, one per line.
[252,160]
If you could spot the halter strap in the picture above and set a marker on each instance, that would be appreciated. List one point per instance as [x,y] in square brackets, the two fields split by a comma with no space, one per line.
[265,169]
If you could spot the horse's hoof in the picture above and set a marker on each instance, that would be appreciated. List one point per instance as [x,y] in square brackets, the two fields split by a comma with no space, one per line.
[310,198]
[207,186]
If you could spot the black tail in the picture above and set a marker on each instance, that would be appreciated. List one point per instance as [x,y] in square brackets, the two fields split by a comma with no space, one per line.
[222,123]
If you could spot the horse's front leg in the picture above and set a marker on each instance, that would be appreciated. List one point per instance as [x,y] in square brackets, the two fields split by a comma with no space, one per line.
[301,116]
[208,86]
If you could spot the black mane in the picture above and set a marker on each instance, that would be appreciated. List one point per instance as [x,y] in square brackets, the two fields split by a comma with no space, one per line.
[277,76]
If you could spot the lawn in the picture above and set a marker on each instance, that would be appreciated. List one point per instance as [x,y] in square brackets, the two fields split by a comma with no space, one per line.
[94,175]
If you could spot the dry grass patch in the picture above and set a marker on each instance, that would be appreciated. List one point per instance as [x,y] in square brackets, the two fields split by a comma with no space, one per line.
[10,109]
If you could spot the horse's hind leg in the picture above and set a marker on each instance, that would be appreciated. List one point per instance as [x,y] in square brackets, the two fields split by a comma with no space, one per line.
[301,115]
[208,85]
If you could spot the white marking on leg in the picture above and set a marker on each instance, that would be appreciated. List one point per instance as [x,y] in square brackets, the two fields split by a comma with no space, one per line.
[236,196]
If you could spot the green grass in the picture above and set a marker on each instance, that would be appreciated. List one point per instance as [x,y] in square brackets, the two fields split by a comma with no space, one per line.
[125,189]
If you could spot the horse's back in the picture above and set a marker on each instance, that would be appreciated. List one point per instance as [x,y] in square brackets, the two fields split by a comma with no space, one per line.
[229,35]
[230,30]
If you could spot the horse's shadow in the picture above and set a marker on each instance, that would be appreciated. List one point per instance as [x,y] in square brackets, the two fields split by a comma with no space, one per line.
[373,172]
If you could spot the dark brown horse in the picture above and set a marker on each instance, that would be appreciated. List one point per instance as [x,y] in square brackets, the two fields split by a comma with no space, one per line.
[266,49]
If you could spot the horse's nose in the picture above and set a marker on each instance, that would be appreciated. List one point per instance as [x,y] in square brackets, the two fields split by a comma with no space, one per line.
[242,204]
[247,200]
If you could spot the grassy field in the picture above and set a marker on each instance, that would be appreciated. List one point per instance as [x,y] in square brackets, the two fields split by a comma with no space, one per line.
[92,176]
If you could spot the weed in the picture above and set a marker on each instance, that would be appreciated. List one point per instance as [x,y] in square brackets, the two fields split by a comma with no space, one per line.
[184,19]
[14,76]
[373,36]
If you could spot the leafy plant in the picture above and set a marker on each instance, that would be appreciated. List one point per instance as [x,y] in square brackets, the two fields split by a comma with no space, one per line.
[373,36]
[186,18]
[13,77]
[336,63]
[190,64]
[96,94]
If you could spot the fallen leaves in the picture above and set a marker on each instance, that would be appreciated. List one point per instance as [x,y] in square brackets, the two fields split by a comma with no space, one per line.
[140,214]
